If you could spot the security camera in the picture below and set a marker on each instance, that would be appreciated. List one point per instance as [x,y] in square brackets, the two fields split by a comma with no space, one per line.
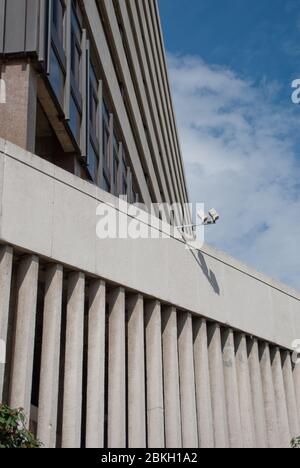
[202,216]
[205,221]
[214,215]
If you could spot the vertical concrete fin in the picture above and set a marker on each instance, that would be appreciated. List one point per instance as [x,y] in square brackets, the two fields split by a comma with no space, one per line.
[136,373]
[49,375]
[187,381]
[217,386]
[281,407]
[27,286]
[116,370]
[245,397]
[231,390]
[96,365]
[290,394]
[155,399]
[296,375]
[203,386]
[269,396]
[171,378]
[257,395]
[72,400]
[6,260]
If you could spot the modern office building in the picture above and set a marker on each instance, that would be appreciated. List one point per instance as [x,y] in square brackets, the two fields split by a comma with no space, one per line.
[121,342]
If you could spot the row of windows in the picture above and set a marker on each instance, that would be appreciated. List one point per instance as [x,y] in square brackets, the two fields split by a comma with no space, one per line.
[116,175]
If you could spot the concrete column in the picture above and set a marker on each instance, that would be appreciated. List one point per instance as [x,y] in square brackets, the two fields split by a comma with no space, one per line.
[231,390]
[257,396]
[116,370]
[21,380]
[49,376]
[203,391]
[171,379]
[217,386]
[18,114]
[290,394]
[187,382]
[6,260]
[280,398]
[155,398]
[246,409]
[96,366]
[72,402]
[136,373]
[296,375]
[269,396]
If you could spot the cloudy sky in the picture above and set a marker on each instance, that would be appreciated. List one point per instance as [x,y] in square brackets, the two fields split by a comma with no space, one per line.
[231,64]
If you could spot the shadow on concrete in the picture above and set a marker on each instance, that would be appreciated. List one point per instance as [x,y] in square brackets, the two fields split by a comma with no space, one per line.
[209,274]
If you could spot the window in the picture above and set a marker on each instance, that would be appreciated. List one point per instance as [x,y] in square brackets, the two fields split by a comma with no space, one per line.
[116,164]
[94,102]
[105,146]
[93,151]
[75,119]
[56,76]
[58,13]
[124,187]
[76,55]
[93,162]
[57,59]
[135,193]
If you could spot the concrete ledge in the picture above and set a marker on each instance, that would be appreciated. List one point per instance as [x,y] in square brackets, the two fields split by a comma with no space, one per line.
[52,213]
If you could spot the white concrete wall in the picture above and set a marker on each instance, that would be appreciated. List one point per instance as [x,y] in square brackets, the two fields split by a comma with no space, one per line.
[52,213]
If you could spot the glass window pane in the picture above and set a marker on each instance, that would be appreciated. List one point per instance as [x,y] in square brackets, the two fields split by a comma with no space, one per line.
[105,184]
[75,47]
[76,27]
[56,76]
[75,120]
[106,146]
[58,18]
[93,78]
[115,161]
[93,111]
[93,162]
[124,187]
[75,62]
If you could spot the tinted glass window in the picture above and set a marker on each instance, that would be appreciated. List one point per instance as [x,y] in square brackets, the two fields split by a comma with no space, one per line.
[93,163]
[75,48]
[56,77]
[58,11]
[75,119]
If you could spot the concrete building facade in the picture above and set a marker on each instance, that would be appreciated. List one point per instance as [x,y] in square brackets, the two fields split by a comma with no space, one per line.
[121,342]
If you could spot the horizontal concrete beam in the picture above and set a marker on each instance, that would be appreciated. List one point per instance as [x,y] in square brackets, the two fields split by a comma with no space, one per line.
[56,219]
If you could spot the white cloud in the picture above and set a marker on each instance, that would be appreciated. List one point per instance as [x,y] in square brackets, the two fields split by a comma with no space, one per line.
[240,153]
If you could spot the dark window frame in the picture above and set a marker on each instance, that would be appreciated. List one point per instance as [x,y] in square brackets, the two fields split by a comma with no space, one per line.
[76,43]
[57,49]
[106,144]
[58,36]
[116,164]
[93,123]
[124,169]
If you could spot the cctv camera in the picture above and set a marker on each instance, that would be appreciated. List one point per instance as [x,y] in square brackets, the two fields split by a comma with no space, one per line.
[214,215]
[202,216]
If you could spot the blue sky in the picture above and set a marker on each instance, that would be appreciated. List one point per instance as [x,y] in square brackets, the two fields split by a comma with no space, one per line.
[256,38]
[231,64]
